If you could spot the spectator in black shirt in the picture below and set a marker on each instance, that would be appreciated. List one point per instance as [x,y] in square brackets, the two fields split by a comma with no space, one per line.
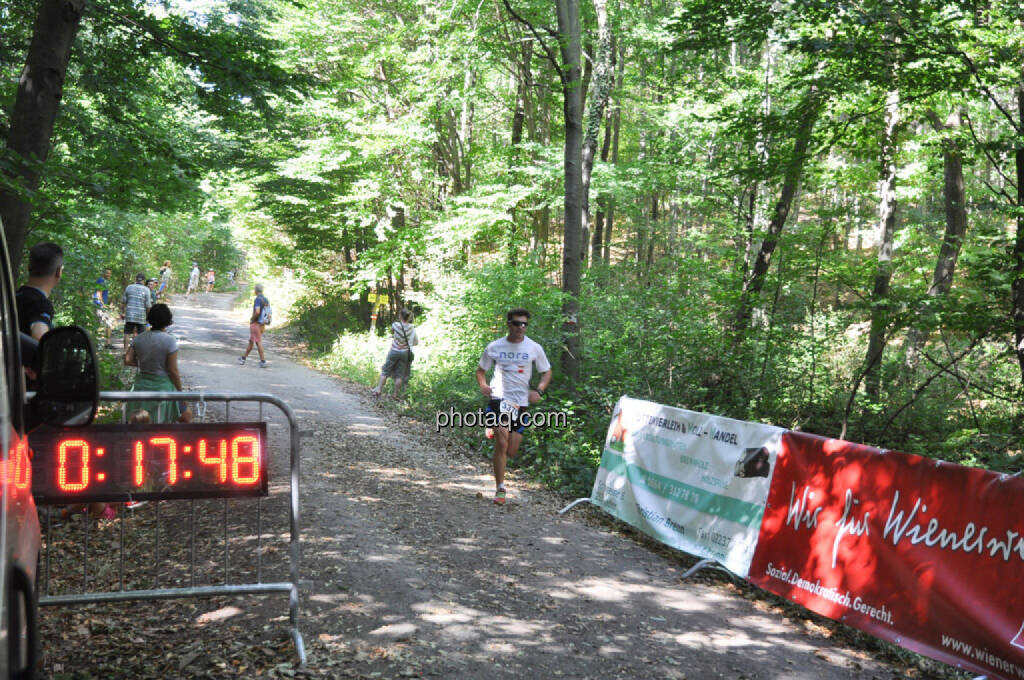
[35,311]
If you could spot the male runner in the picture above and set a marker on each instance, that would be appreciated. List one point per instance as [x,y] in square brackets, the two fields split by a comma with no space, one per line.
[512,358]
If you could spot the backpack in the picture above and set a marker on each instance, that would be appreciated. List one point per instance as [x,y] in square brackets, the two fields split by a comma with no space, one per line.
[266,314]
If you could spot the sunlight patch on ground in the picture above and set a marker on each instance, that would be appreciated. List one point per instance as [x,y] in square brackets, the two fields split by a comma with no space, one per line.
[470,484]
[363,499]
[554,540]
[395,630]
[693,640]
[501,647]
[467,549]
[618,590]
[736,638]
[218,615]
[605,590]
[329,599]
[763,624]
[442,614]
[682,602]
[516,627]
[462,632]
[398,473]
[365,429]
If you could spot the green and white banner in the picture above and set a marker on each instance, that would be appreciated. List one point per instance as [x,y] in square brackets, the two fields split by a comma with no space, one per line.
[696,482]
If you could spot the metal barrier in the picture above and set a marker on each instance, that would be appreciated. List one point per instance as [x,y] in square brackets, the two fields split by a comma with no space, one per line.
[291,586]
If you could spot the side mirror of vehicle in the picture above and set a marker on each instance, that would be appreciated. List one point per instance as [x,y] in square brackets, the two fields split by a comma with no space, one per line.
[67,394]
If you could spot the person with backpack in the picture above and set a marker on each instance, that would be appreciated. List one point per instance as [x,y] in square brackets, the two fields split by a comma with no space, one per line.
[398,363]
[260,319]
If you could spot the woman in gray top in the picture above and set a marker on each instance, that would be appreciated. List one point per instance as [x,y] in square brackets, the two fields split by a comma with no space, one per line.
[155,352]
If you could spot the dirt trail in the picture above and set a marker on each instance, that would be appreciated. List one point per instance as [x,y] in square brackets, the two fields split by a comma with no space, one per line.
[408,573]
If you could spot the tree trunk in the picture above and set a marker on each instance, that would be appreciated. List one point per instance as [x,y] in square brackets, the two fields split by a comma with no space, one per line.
[569,46]
[811,107]
[956,227]
[36,104]
[466,127]
[598,237]
[609,220]
[519,116]
[883,272]
[1018,246]
[604,79]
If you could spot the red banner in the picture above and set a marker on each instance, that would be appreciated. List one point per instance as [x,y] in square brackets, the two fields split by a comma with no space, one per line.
[925,554]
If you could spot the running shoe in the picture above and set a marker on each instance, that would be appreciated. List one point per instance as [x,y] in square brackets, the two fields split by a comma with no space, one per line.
[241,361]
[263,364]
[499,497]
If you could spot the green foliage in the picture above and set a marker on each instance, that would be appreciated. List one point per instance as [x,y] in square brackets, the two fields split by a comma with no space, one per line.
[369,146]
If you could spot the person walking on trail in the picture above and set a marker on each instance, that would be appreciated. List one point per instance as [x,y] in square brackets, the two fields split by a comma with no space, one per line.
[35,310]
[155,352]
[101,300]
[398,363]
[165,280]
[135,304]
[257,322]
[509,395]
[153,291]
[210,279]
[193,280]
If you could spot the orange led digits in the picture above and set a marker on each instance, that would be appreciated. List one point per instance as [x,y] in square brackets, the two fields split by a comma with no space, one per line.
[138,461]
[221,461]
[251,458]
[62,464]
[138,476]
[172,456]
[22,466]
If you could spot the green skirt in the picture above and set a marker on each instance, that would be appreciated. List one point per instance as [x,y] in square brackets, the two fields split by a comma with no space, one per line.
[159,411]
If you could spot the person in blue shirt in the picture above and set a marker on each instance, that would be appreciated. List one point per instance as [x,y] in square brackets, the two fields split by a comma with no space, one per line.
[101,299]
[257,323]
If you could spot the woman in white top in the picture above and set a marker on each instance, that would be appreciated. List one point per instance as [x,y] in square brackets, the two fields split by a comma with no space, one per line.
[398,363]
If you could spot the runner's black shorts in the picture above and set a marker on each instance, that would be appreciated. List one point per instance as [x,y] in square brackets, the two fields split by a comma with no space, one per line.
[132,327]
[518,423]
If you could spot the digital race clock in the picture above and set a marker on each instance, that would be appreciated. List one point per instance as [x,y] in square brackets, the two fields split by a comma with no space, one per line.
[149,462]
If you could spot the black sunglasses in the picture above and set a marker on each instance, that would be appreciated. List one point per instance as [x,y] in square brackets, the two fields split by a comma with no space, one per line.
[521,324]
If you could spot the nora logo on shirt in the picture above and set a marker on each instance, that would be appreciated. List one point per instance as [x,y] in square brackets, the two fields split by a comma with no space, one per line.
[514,356]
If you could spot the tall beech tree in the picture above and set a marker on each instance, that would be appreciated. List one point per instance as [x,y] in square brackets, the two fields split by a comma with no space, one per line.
[954,201]
[568,66]
[806,116]
[880,307]
[40,89]
[604,80]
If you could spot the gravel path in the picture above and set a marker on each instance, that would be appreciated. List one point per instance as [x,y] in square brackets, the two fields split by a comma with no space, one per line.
[409,570]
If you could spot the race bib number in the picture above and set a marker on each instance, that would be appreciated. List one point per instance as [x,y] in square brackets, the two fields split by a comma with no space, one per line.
[508,407]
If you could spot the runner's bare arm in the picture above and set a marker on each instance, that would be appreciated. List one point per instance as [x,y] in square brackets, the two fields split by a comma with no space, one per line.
[481,380]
